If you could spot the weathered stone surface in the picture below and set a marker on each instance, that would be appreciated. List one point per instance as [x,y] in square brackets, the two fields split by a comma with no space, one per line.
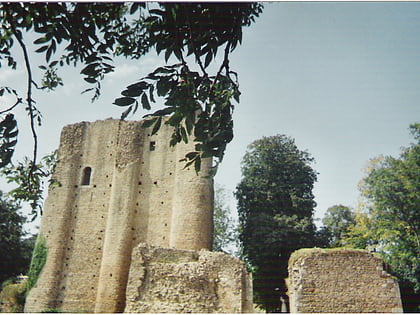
[340,281]
[119,186]
[164,280]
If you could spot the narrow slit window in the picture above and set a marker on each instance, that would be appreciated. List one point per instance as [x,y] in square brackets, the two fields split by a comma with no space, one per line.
[87,172]
[152,145]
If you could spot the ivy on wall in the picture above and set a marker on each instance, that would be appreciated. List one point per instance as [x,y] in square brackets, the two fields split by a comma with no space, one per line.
[39,257]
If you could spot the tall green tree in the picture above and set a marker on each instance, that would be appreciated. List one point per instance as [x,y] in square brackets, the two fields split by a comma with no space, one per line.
[336,223]
[15,250]
[225,236]
[198,92]
[275,207]
[389,221]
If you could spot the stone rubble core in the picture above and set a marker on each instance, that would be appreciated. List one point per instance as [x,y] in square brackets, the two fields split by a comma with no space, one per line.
[117,186]
[163,280]
[341,281]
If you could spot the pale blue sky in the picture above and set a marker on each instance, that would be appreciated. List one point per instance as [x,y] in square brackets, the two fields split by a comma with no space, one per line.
[341,78]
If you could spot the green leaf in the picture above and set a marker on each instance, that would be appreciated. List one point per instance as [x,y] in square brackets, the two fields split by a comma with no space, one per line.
[164,70]
[236,95]
[159,47]
[42,49]
[90,80]
[151,90]
[197,164]
[175,138]
[11,144]
[184,134]
[133,92]
[87,90]
[50,50]
[93,57]
[149,122]
[189,123]
[168,54]
[191,155]
[52,64]
[157,12]
[139,85]
[42,40]
[156,127]
[145,102]
[178,54]
[163,86]
[13,134]
[90,69]
[163,112]
[175,119]
[124,101]
[8,133]
[134,7]
[126,112]
[208,59]
[136,89]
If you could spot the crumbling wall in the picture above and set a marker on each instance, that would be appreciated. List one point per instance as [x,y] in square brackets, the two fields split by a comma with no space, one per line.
[118,186]
[163,280]
[340,281]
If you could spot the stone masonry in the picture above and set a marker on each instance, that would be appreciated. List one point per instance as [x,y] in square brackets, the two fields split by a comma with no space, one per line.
[118,186]
[164,280]
[341,281]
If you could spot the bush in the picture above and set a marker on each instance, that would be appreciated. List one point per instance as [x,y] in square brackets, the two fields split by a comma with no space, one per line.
[12,297]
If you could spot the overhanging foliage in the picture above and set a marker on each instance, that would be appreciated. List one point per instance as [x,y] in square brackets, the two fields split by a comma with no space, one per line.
[199,102]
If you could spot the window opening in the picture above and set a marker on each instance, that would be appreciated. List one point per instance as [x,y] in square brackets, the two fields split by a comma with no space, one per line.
[86,176]
[152,145]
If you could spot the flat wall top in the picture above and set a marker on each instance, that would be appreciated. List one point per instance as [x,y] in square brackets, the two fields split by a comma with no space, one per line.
[313,252]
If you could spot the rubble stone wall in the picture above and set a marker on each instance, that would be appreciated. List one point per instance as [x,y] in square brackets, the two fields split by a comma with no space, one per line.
[163,280]
[118,186]
[341,281]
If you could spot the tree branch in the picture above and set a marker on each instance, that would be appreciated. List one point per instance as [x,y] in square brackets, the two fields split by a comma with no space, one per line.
[197,58]
[29,99]
[225,65]
[19,101]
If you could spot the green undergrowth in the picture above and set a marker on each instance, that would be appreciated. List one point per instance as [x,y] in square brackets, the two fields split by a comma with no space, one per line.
[12,297]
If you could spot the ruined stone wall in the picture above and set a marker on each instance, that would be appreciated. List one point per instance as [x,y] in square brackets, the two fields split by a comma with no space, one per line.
[118,186]
[165,280]
[340,281]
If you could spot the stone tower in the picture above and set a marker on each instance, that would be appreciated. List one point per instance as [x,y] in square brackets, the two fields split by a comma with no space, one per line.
[118,186]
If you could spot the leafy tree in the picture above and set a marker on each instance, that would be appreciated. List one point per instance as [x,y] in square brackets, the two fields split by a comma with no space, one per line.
[275,206]
[30,188]
[337,220]
[15,251]
[225,236]
[198,92]
[389,221]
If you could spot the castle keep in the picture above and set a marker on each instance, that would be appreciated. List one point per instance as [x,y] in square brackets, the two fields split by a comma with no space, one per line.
[118,186]
[128,229]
